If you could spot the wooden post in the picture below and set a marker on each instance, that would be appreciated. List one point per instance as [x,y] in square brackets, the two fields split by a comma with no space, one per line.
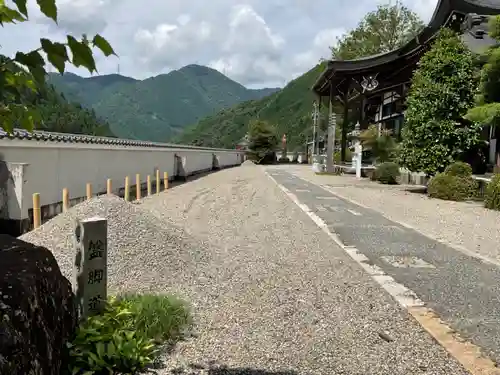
[165,180]
[89,190]
[109,186]
[90,274]
[127,189]
[138,186]
[158,182]
[37,213]
[65,200]
[149,185]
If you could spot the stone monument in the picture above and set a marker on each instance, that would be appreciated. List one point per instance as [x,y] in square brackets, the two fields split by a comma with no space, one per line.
[90,269]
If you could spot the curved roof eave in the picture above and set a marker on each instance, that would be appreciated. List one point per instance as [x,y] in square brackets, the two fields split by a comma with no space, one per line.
[443,10]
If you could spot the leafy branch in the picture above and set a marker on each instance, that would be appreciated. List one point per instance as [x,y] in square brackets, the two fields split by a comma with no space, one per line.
[27,71]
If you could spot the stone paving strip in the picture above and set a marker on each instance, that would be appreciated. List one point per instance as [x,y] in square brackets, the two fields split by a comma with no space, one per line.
[271,292]
[463,225]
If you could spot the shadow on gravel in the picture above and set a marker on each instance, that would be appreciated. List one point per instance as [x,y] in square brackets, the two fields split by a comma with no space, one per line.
[416,189]
[247,371]
[178,181]
[223,370]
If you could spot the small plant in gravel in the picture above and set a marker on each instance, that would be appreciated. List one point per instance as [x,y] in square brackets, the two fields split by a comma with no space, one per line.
[451,187]
[127,336]
[492,194]
[387,173]
[459,168]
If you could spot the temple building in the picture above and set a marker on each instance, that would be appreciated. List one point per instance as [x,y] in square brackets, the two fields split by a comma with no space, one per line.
[375,87]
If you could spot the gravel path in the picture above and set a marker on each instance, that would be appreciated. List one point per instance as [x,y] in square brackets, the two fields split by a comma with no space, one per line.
[457,223]
[279,295]
[269,289]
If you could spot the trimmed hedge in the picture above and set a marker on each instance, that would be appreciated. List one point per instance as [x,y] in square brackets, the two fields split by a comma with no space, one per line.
[459,168]
[387,173]
[492,194]
[451,187]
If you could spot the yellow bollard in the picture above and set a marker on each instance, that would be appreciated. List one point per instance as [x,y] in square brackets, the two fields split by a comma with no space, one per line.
[89,190]
[165,180]
[37,213]
[127,189]
[149,185]
[138,186]
[65,200]
[158,182]
[109,186]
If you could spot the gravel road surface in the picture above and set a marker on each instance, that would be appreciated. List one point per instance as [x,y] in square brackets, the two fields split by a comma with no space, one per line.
[271,293]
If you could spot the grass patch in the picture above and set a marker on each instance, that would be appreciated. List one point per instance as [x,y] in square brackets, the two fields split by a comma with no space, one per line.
[162,318]
[127,336]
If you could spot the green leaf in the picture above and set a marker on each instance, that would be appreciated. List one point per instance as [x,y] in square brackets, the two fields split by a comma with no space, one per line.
[28,121]
[56,53]
[49,8]
[82,54]
[21,5]
[9,15]
[103,45]
[30,59]
[34,62]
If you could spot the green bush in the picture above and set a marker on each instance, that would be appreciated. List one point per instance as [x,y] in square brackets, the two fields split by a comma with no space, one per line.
[492,194]
[450,187]
[459,168]
[387,173]
[125,338]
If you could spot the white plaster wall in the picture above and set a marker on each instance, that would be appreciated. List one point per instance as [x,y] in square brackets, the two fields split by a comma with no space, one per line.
[52,166]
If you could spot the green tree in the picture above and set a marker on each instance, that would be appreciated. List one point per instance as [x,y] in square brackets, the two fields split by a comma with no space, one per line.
[487,109]
[382,30]
[25,73]
[435,132]
[262,140]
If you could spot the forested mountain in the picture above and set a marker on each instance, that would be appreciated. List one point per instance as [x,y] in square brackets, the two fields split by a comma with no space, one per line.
[288,109]
[157,108]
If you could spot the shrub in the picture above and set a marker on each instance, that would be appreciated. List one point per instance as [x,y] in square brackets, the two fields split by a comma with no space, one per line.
[126,336]
[387,173]
[459,168]
[451,187]
[492,194]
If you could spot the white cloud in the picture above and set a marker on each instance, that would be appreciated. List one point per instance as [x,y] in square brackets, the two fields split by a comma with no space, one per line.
[256,42]
[320,48]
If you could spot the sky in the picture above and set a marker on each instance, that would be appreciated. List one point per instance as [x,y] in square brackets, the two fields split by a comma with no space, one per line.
[259,43]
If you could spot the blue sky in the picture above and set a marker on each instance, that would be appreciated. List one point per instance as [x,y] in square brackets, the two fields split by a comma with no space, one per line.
[259,43]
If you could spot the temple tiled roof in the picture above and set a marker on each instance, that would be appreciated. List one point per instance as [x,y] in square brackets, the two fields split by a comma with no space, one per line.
[44,136]
[444,10]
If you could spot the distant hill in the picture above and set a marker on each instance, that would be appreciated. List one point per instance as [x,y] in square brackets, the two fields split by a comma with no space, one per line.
[288,109]
[157,108]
